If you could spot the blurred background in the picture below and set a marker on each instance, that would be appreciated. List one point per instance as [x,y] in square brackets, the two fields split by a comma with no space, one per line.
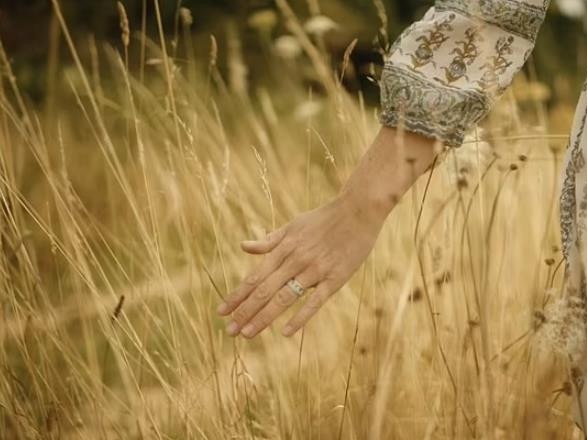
[128,179]
[31,36]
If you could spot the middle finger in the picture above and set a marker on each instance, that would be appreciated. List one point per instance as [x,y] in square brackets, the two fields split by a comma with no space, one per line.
[262,294]
[256,277]
[279,303]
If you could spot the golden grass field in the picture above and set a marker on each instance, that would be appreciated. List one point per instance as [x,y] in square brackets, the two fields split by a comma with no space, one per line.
[123,203]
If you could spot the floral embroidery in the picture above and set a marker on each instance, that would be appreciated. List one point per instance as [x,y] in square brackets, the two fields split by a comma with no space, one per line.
[466,53]
[568,204]
[432,41]
[575,163]
[572,223]
[514,16]
[497,64]
[451,55]
[426,107]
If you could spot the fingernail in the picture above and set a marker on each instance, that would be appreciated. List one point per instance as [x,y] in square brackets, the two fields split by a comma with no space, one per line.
[232,328]
[248,330]
[222,309]
[287,330]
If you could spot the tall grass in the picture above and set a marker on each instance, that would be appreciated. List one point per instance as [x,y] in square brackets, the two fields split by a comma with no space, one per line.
[121,211]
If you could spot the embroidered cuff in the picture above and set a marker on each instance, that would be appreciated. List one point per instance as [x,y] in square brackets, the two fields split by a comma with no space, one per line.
[427,107]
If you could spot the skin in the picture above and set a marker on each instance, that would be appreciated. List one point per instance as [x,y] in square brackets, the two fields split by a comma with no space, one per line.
[324,247]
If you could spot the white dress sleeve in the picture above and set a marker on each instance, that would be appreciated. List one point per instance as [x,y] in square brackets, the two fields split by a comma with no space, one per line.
[442,75]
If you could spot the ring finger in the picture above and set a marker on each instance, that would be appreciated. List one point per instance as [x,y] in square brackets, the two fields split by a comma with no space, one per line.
[283,299]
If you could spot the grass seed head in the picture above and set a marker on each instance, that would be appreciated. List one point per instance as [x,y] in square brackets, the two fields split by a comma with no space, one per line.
[186,16]
[124,25]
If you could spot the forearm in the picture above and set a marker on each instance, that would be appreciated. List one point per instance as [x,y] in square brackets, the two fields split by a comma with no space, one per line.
[391,165]
[440,78]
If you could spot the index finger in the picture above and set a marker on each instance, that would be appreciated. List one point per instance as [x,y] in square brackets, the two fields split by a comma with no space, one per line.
[270,263]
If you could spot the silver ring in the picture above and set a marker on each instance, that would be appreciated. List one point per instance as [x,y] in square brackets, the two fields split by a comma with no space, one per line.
[296,287]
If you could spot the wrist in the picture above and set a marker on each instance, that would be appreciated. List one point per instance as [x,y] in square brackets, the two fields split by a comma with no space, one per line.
[387,170]
[368,206]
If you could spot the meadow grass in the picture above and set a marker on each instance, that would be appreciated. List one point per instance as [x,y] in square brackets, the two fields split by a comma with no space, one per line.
[123,203]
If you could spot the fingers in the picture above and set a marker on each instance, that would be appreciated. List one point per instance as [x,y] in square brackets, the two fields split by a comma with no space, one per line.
[309,309]
[263,293]
[266,244]
[278,304]
[270,264]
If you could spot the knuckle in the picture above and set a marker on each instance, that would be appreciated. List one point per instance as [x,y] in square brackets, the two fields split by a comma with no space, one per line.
[320,268]
[323,264]
[292,240]
[260,323]
[240,316]
[302,257]
[279,254]
[295,263]
[287,243]
[251,280]
[262,293]
[315,302]
[284,298]
[301,249]
[330,276]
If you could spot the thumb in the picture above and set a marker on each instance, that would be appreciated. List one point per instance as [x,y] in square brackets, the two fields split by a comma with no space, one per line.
[265,244]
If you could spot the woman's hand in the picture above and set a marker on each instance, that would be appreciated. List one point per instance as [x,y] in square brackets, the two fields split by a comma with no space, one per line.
[321,248]
[324,247]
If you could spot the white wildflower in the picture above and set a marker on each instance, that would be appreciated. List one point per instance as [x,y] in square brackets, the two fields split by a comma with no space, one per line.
[307,110]
[572,8]
[263,20]
[287,47]
[320,24]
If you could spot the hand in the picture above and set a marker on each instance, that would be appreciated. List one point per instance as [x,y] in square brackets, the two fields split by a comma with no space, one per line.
[321,248]
[324,247]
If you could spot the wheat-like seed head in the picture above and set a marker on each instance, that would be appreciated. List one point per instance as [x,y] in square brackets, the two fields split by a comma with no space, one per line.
[124,26]
[186,16]
[213,52]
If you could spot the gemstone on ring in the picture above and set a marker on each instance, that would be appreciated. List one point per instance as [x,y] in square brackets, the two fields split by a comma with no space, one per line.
[296,287]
